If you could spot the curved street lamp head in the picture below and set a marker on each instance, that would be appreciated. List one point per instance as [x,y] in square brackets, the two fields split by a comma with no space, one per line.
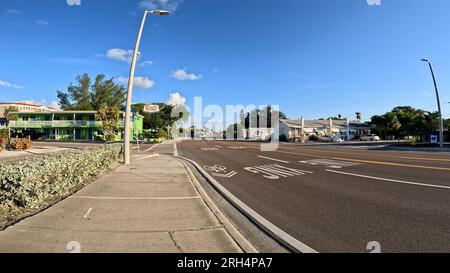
[160,12]
[425,60]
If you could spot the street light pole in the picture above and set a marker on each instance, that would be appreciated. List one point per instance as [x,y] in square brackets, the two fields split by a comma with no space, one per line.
[127,125]
[441,121]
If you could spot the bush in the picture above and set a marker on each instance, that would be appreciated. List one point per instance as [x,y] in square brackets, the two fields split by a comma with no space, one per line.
[20,144]
[32,183]
[3,139]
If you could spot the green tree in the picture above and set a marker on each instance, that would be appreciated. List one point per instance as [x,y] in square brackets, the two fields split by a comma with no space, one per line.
[236,131]
[86,95]
[110,118]
[8,113]
[163,119]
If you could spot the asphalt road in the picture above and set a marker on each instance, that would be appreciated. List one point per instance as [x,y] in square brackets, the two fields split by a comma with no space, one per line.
[338,199]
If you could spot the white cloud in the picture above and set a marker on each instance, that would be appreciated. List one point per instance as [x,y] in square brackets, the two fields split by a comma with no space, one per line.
[171,5]
[73,2]
[184,75]
[146,63]
[7,84]
[120,54]
[139,82]
[41,22]
[55,105]
[176,99]
[13,11]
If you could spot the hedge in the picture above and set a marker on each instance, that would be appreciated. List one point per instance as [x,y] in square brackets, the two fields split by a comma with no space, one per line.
[32,183]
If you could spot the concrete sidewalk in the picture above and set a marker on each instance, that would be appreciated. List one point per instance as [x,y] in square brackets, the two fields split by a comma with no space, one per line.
[151,205]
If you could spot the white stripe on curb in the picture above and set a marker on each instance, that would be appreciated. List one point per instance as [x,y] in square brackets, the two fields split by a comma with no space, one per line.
[263,223]
[175,151]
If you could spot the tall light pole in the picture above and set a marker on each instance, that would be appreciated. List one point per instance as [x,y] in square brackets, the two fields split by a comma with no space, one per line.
[126,138]
[441,121]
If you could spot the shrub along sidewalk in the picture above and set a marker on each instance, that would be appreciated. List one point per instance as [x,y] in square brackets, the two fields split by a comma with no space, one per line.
[32,184]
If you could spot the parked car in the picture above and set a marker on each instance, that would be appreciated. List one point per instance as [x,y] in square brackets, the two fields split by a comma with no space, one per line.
[336,139]
[330,139]
[371,137]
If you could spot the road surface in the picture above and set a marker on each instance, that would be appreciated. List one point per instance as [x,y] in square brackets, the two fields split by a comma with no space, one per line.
[338,199]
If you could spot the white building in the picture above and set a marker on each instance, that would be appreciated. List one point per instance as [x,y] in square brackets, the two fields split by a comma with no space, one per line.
[24,106]
[299,129]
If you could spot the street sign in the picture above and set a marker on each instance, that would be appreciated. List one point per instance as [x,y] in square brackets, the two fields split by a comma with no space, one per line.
[433,138]
[151,108]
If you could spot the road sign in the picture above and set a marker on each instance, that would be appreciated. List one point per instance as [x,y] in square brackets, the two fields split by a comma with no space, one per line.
[151,108]
[433,138]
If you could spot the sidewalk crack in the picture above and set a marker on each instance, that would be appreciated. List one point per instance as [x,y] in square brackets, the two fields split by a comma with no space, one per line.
[171,233]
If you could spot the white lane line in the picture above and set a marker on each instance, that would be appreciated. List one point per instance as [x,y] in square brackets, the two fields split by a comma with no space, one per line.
[135,198]
[273,159]
[87,213]
[149,156]
[151,148]
[135,147]
[391,180]
[175,151]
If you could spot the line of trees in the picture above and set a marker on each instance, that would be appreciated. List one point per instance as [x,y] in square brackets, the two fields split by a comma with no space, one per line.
[108,98]
[406,121]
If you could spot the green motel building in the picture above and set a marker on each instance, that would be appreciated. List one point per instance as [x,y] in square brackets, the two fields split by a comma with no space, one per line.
[67,125]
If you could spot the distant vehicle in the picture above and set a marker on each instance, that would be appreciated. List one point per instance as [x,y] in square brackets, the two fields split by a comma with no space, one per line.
[330,139]
[371,137]
[336,139]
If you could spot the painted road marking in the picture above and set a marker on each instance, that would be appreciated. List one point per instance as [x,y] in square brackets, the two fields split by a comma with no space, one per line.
[237,147]
[151,148]
[379,155]
[149,156]
[372,162]
[175,150]
[335,164]
[220,171]
[274,159]
[209,149]
[135,198]
[275,171]
[87,213]
[390,180]
[134,148]
[226,175]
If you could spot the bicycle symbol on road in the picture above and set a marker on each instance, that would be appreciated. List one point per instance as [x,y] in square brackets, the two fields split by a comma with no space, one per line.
[216,168]
[220,171]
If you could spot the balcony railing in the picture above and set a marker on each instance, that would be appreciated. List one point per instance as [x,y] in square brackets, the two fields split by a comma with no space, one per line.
[58,123]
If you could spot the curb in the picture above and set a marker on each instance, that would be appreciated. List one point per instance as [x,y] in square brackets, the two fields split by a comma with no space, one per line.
[273,231]
[243,243]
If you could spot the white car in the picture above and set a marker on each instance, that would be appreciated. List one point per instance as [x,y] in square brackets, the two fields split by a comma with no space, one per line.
[371,137]
[330,139]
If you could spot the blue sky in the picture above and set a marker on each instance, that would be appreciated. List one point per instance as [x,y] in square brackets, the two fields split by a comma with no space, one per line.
[314,58]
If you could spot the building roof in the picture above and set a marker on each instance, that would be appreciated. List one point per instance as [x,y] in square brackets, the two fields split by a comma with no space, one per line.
[55,112]
[323,123]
